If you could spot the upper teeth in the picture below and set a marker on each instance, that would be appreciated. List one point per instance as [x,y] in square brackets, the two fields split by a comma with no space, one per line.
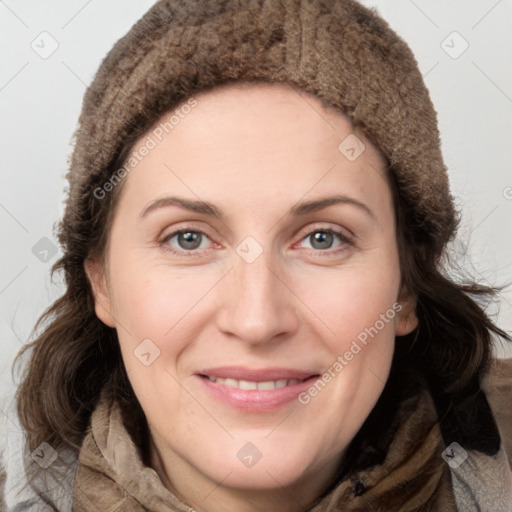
[246,384]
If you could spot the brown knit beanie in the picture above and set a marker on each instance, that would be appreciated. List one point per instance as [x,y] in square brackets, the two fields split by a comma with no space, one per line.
[338,50]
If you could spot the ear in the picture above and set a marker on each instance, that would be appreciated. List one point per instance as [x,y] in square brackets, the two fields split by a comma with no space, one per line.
[406,320]
[102,301]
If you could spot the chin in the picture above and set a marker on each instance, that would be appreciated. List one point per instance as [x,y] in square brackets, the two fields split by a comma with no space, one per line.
[265,468]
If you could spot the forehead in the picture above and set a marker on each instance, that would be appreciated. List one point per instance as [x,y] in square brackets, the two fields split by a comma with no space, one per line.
[254,141]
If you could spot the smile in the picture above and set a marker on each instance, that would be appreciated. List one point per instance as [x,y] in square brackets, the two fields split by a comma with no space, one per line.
[255,390]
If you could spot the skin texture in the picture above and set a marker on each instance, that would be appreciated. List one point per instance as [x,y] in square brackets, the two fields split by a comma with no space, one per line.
[254,151]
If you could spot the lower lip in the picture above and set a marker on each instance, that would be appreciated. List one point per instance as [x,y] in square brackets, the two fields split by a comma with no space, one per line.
[255,400]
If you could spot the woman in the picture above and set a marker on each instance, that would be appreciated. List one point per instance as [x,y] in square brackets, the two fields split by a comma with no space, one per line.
[258,314]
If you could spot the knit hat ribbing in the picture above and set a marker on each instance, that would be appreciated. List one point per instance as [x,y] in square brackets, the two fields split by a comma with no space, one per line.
[340,51]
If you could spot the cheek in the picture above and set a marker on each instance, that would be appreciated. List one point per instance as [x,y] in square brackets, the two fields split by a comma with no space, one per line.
[353,301]
[151,298]
[163,304]
[357,307]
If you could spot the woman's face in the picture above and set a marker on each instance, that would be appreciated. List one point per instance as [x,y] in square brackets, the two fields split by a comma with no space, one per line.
[259,339]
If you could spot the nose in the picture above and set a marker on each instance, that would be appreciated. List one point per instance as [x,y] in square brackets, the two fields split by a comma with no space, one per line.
[258,304]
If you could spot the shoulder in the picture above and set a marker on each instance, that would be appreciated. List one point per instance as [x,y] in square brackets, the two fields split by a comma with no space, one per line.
[497,385]
[480,481]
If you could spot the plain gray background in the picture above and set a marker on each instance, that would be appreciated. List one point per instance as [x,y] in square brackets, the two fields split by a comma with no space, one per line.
[464,51]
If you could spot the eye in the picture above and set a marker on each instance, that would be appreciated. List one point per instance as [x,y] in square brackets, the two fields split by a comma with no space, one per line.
[322,240]
[188,240]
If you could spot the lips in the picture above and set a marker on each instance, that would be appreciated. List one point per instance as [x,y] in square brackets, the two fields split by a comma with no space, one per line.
[255,390]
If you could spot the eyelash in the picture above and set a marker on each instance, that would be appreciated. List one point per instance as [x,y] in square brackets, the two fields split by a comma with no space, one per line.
[327,252]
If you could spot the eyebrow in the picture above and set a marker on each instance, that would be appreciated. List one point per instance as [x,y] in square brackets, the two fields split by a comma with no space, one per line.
[298,210]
